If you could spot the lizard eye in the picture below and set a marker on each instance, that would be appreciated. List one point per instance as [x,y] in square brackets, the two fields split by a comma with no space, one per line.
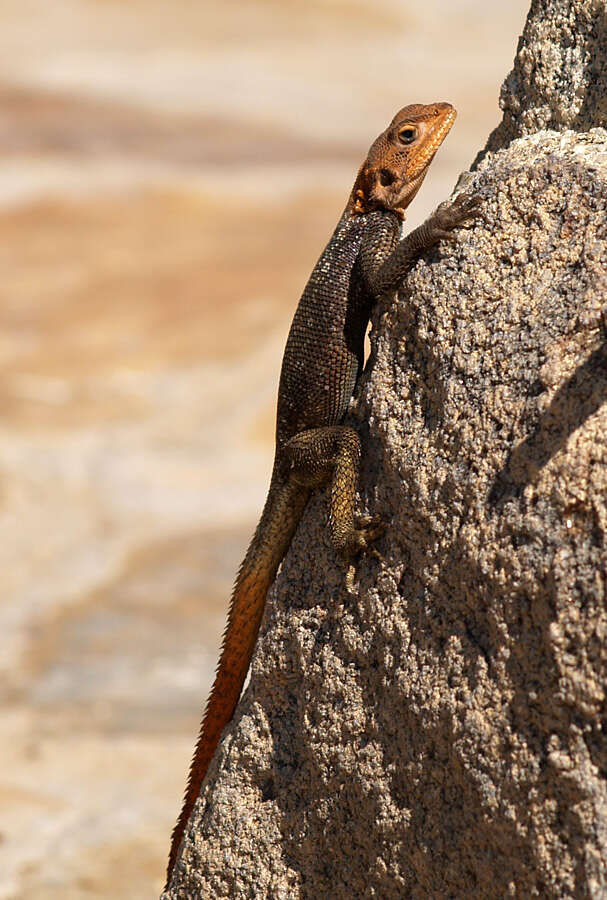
[407,135]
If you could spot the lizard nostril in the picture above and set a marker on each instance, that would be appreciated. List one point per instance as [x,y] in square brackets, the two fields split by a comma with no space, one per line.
[386,177]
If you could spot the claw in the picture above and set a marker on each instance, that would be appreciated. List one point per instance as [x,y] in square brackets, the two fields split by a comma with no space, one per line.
[372,551]
[350,578]
[372,527]
[443,235]
[454,214]
[367,529]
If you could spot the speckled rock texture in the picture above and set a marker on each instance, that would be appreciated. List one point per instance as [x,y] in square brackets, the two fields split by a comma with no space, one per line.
[439,733]
[560,72]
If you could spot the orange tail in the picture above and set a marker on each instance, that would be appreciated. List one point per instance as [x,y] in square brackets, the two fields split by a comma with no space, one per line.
[281,514]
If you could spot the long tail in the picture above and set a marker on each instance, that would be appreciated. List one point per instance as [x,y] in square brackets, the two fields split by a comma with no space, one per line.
[281,514]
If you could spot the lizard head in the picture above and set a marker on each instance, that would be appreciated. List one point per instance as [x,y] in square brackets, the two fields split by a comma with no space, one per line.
[399,158]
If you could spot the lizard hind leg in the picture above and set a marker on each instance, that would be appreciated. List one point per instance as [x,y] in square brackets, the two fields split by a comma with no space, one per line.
[320,454]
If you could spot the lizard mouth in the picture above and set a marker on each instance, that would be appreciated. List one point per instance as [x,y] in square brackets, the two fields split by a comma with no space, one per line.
[434,137]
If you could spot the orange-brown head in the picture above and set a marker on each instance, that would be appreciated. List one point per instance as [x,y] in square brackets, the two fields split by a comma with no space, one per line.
[398,160]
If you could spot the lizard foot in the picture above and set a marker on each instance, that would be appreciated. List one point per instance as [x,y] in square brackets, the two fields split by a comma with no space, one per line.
[453,213]
[367,529]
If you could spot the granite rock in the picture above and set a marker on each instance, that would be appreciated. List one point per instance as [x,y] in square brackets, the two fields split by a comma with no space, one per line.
[439,732]
[559,74]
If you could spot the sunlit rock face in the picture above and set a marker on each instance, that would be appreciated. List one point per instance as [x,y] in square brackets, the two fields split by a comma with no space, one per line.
[169,174]
[440,732]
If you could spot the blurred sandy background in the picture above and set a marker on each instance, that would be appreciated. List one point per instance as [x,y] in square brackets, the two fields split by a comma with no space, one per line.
[169,173]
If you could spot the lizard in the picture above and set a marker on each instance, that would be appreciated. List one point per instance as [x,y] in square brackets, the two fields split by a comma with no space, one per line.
[322,362]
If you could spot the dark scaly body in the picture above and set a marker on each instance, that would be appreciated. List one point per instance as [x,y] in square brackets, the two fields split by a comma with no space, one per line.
[322,361]
[324,351]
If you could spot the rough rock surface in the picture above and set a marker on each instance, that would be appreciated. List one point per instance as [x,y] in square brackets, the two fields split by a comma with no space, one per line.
[560,72]
[440,732]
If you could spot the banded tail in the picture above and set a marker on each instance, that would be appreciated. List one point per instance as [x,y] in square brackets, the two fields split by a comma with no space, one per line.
[279,519]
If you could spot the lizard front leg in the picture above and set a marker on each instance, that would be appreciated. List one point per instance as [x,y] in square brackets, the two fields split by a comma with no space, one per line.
[384,268]
[319,454]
